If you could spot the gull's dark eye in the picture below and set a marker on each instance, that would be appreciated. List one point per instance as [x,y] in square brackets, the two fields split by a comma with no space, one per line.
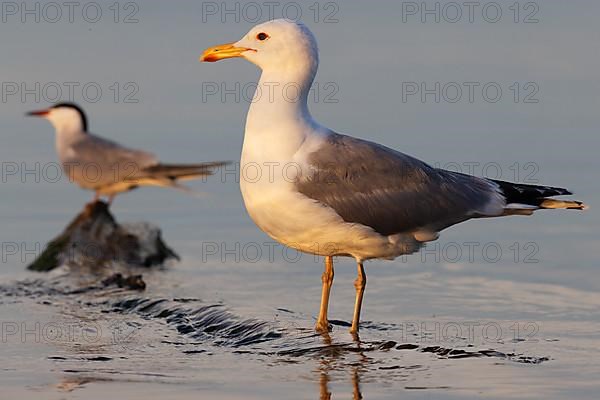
[262,36]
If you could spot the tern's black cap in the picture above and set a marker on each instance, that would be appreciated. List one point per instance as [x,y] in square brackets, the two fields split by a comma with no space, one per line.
[75,107]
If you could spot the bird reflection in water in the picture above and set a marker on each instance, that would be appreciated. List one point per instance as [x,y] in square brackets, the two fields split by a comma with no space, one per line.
[328,362]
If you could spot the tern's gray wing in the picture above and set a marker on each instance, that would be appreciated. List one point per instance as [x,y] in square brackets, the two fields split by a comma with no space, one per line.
[389,191]
[96,162]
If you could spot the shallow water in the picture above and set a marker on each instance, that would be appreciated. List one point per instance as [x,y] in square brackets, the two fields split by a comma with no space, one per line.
[425,334]
[505,308]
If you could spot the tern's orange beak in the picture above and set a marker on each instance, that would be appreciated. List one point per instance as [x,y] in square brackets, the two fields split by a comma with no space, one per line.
[39,113]
[222,51]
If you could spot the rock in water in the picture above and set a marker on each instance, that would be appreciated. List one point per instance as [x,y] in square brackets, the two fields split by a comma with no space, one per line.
[95,238]
[132,282]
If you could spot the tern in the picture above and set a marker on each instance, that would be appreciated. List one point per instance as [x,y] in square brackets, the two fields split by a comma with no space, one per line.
[106,167]
[347,196]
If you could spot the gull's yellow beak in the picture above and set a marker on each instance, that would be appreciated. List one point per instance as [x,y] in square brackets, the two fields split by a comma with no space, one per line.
[222,51]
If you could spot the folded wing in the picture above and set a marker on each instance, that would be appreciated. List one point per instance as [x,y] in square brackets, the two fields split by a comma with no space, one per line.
[391,192]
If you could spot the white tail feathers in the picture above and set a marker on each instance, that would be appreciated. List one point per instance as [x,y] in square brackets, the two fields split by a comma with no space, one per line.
[545,204]
[563,204]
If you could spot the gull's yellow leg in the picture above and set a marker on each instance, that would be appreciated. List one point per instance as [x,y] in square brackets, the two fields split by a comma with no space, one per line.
[360,283]
[327,279]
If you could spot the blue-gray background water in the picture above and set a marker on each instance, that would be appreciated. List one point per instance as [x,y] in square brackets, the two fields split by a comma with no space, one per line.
[518,295]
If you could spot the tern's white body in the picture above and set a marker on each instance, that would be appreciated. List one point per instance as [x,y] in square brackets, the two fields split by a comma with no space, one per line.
[104,166]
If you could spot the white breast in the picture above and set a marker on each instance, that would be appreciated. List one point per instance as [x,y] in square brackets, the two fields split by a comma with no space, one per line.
[279,136]
[297,221]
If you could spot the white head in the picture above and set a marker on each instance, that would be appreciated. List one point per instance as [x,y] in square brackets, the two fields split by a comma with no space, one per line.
[65,117]
[282,47]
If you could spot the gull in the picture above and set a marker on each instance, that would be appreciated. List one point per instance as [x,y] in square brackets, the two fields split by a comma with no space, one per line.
[346,196]
[106,167]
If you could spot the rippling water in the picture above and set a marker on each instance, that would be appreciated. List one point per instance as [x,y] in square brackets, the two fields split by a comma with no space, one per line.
[182,338]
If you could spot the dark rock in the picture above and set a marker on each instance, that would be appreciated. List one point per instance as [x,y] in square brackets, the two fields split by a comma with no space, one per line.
[94,238]
[133,282]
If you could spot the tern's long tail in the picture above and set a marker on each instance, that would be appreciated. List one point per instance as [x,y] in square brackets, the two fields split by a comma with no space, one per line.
[169,174]
[182,171]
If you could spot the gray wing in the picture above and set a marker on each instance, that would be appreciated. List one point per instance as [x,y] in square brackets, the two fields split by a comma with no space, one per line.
[99,162]
[389,191]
